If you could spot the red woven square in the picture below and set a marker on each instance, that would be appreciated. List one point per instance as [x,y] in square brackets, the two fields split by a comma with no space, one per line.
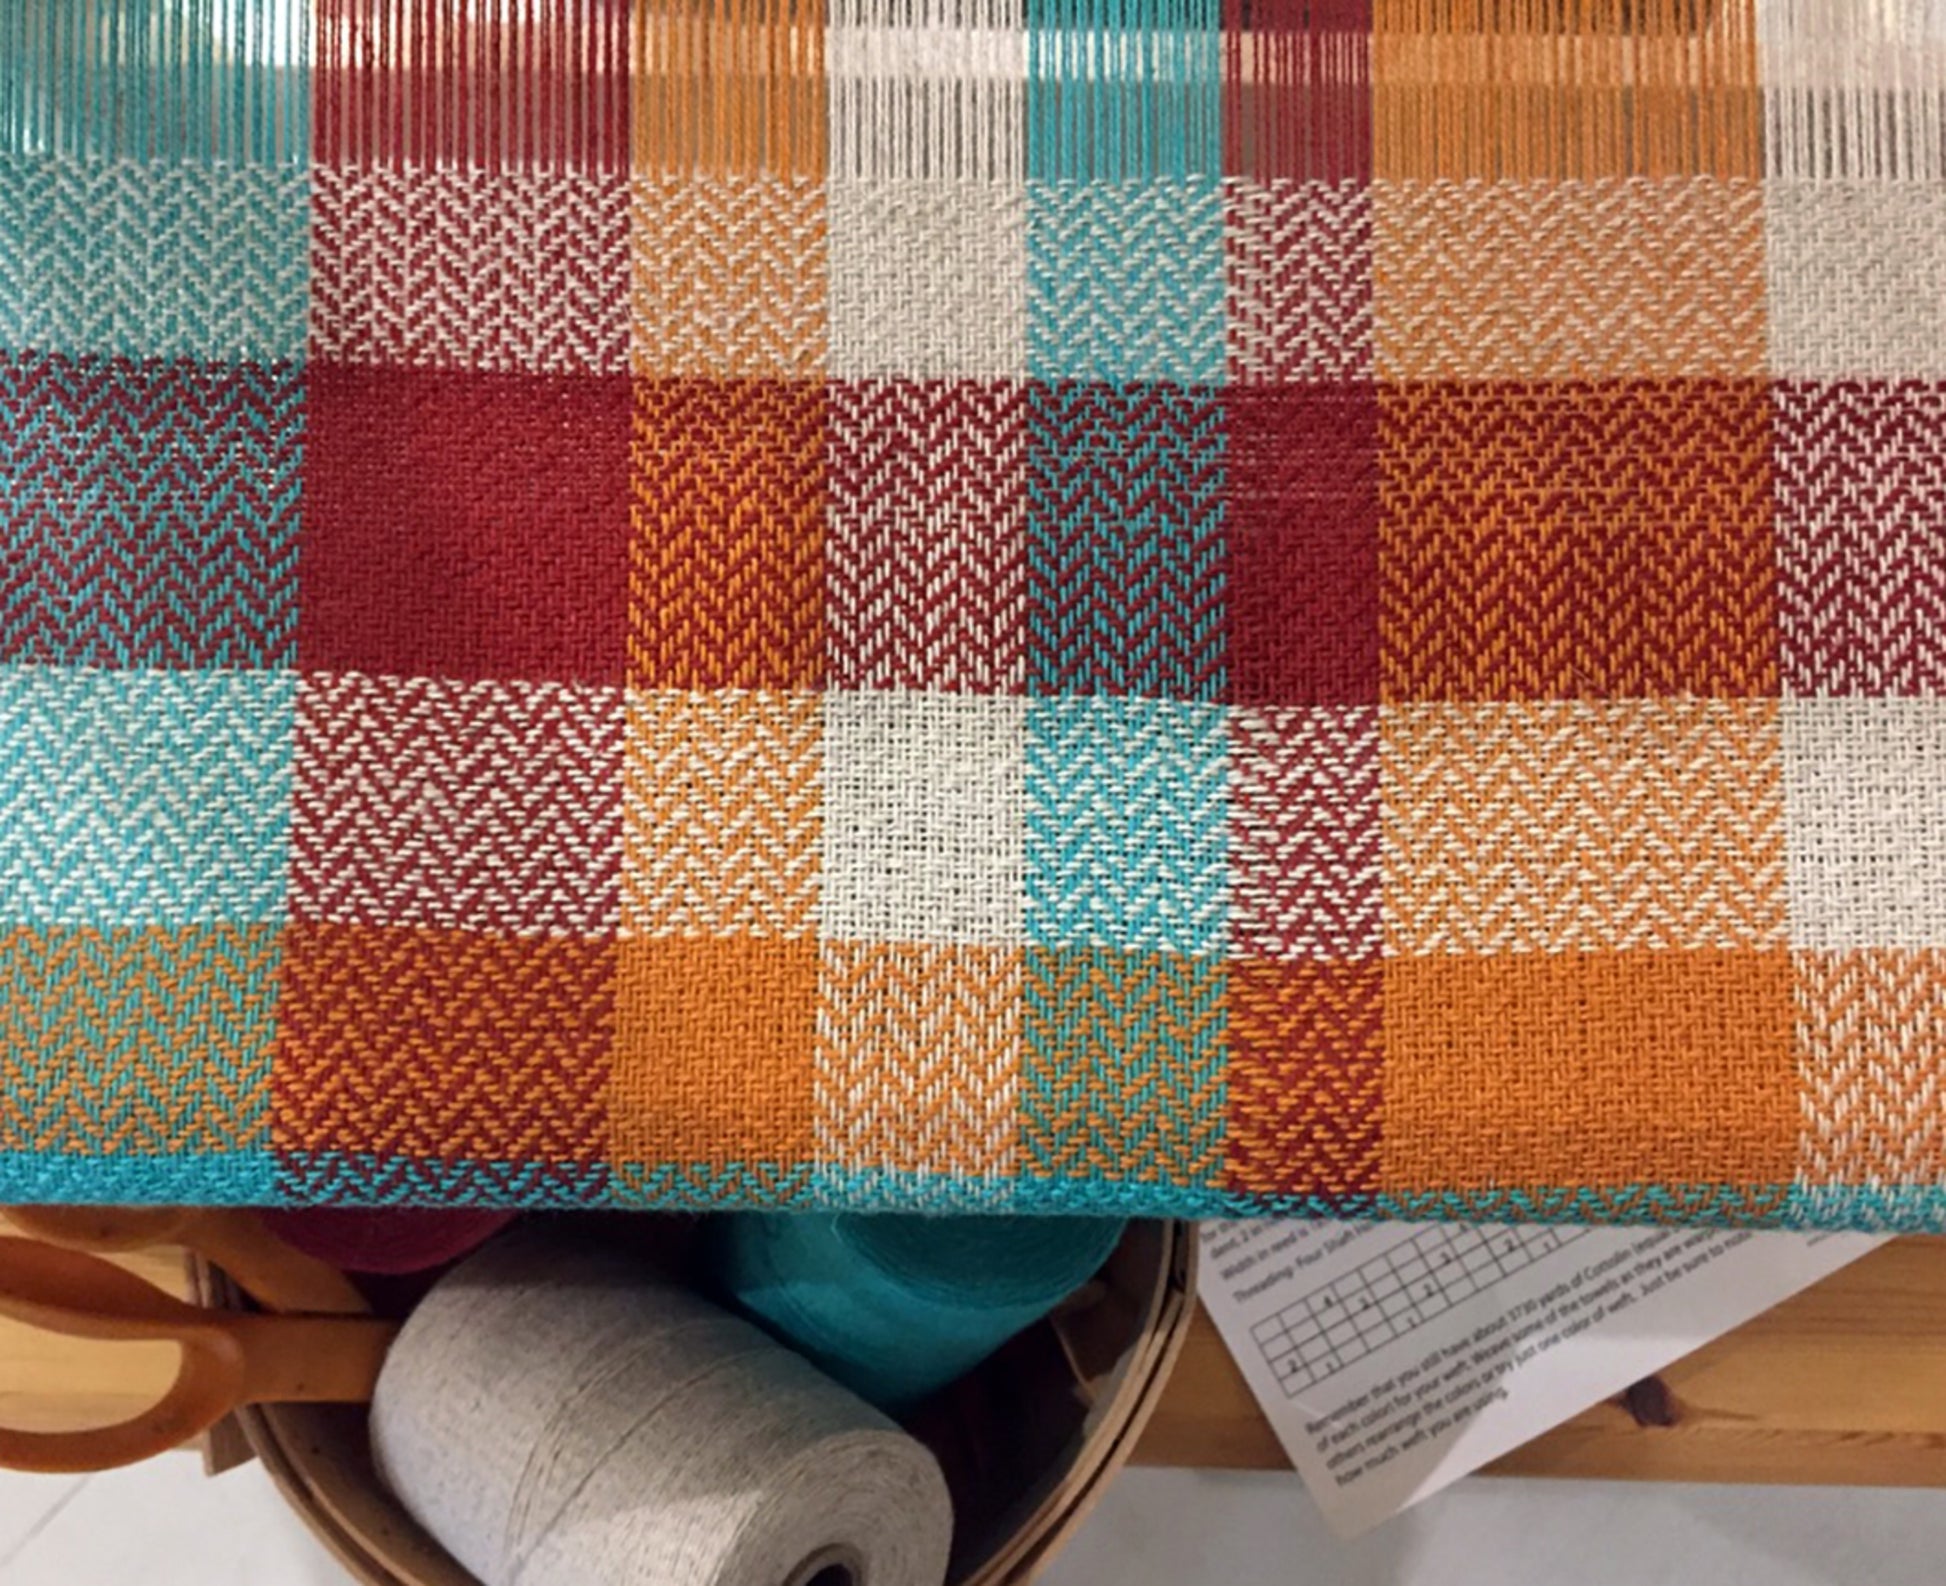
[928,559]
[473,806]
[1861,528]
[465,524]
[502,1044]
[1305,1081]
[1302,532]
[1577,540]
[1305,843]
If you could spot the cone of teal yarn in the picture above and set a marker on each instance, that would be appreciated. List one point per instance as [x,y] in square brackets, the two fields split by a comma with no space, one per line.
[896,1307]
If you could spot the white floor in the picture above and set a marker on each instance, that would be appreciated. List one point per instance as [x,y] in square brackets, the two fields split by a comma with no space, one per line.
[159,1524]
[164,1525]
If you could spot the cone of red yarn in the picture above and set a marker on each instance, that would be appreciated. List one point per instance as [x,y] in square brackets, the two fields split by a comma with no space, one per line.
[386,1239]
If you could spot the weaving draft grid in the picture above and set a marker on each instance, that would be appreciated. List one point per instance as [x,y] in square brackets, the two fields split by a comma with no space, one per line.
[1190,607]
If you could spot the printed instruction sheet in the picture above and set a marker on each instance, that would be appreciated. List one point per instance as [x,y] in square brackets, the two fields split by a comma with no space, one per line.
[1393,1358]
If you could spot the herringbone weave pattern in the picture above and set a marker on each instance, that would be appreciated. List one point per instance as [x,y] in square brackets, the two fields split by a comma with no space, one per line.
[1178,607]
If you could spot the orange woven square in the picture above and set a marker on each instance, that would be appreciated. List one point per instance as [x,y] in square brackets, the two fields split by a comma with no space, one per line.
[919,1053]
[1539,1071]
[1305,1080]
[1569,281]
[1576,540]
[1582,826]
[1872,1113]
[722,816]
[726,548]
[503,1039]
[714,1052]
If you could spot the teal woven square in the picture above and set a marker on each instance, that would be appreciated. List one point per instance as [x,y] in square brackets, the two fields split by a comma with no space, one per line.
[144,798]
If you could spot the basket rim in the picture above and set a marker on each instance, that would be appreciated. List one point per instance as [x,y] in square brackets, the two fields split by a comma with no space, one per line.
[370,1533]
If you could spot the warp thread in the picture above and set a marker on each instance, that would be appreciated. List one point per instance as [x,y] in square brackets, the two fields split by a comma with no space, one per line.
[896,1307]
[556,1416]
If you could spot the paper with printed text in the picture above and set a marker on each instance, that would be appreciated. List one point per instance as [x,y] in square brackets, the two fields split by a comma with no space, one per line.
[1393,1358]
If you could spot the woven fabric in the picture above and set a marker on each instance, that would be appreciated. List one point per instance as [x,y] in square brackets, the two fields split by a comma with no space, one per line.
[1130,606]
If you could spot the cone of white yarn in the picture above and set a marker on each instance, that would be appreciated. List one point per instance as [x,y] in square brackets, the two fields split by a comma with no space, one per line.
[557,1416]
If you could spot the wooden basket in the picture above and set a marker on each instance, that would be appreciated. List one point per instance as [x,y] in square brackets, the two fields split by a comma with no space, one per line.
[1028,1441]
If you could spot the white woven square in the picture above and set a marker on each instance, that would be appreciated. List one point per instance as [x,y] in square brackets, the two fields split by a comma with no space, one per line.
[928,279]
[927,203]
[1857,280]
[1865,821]
[925,818]
[467,269]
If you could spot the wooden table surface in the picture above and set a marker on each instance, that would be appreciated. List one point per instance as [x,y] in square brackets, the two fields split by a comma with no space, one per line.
[1845,1383]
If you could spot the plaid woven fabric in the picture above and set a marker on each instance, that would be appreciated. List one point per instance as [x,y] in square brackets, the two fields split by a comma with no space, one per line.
[1159,606]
